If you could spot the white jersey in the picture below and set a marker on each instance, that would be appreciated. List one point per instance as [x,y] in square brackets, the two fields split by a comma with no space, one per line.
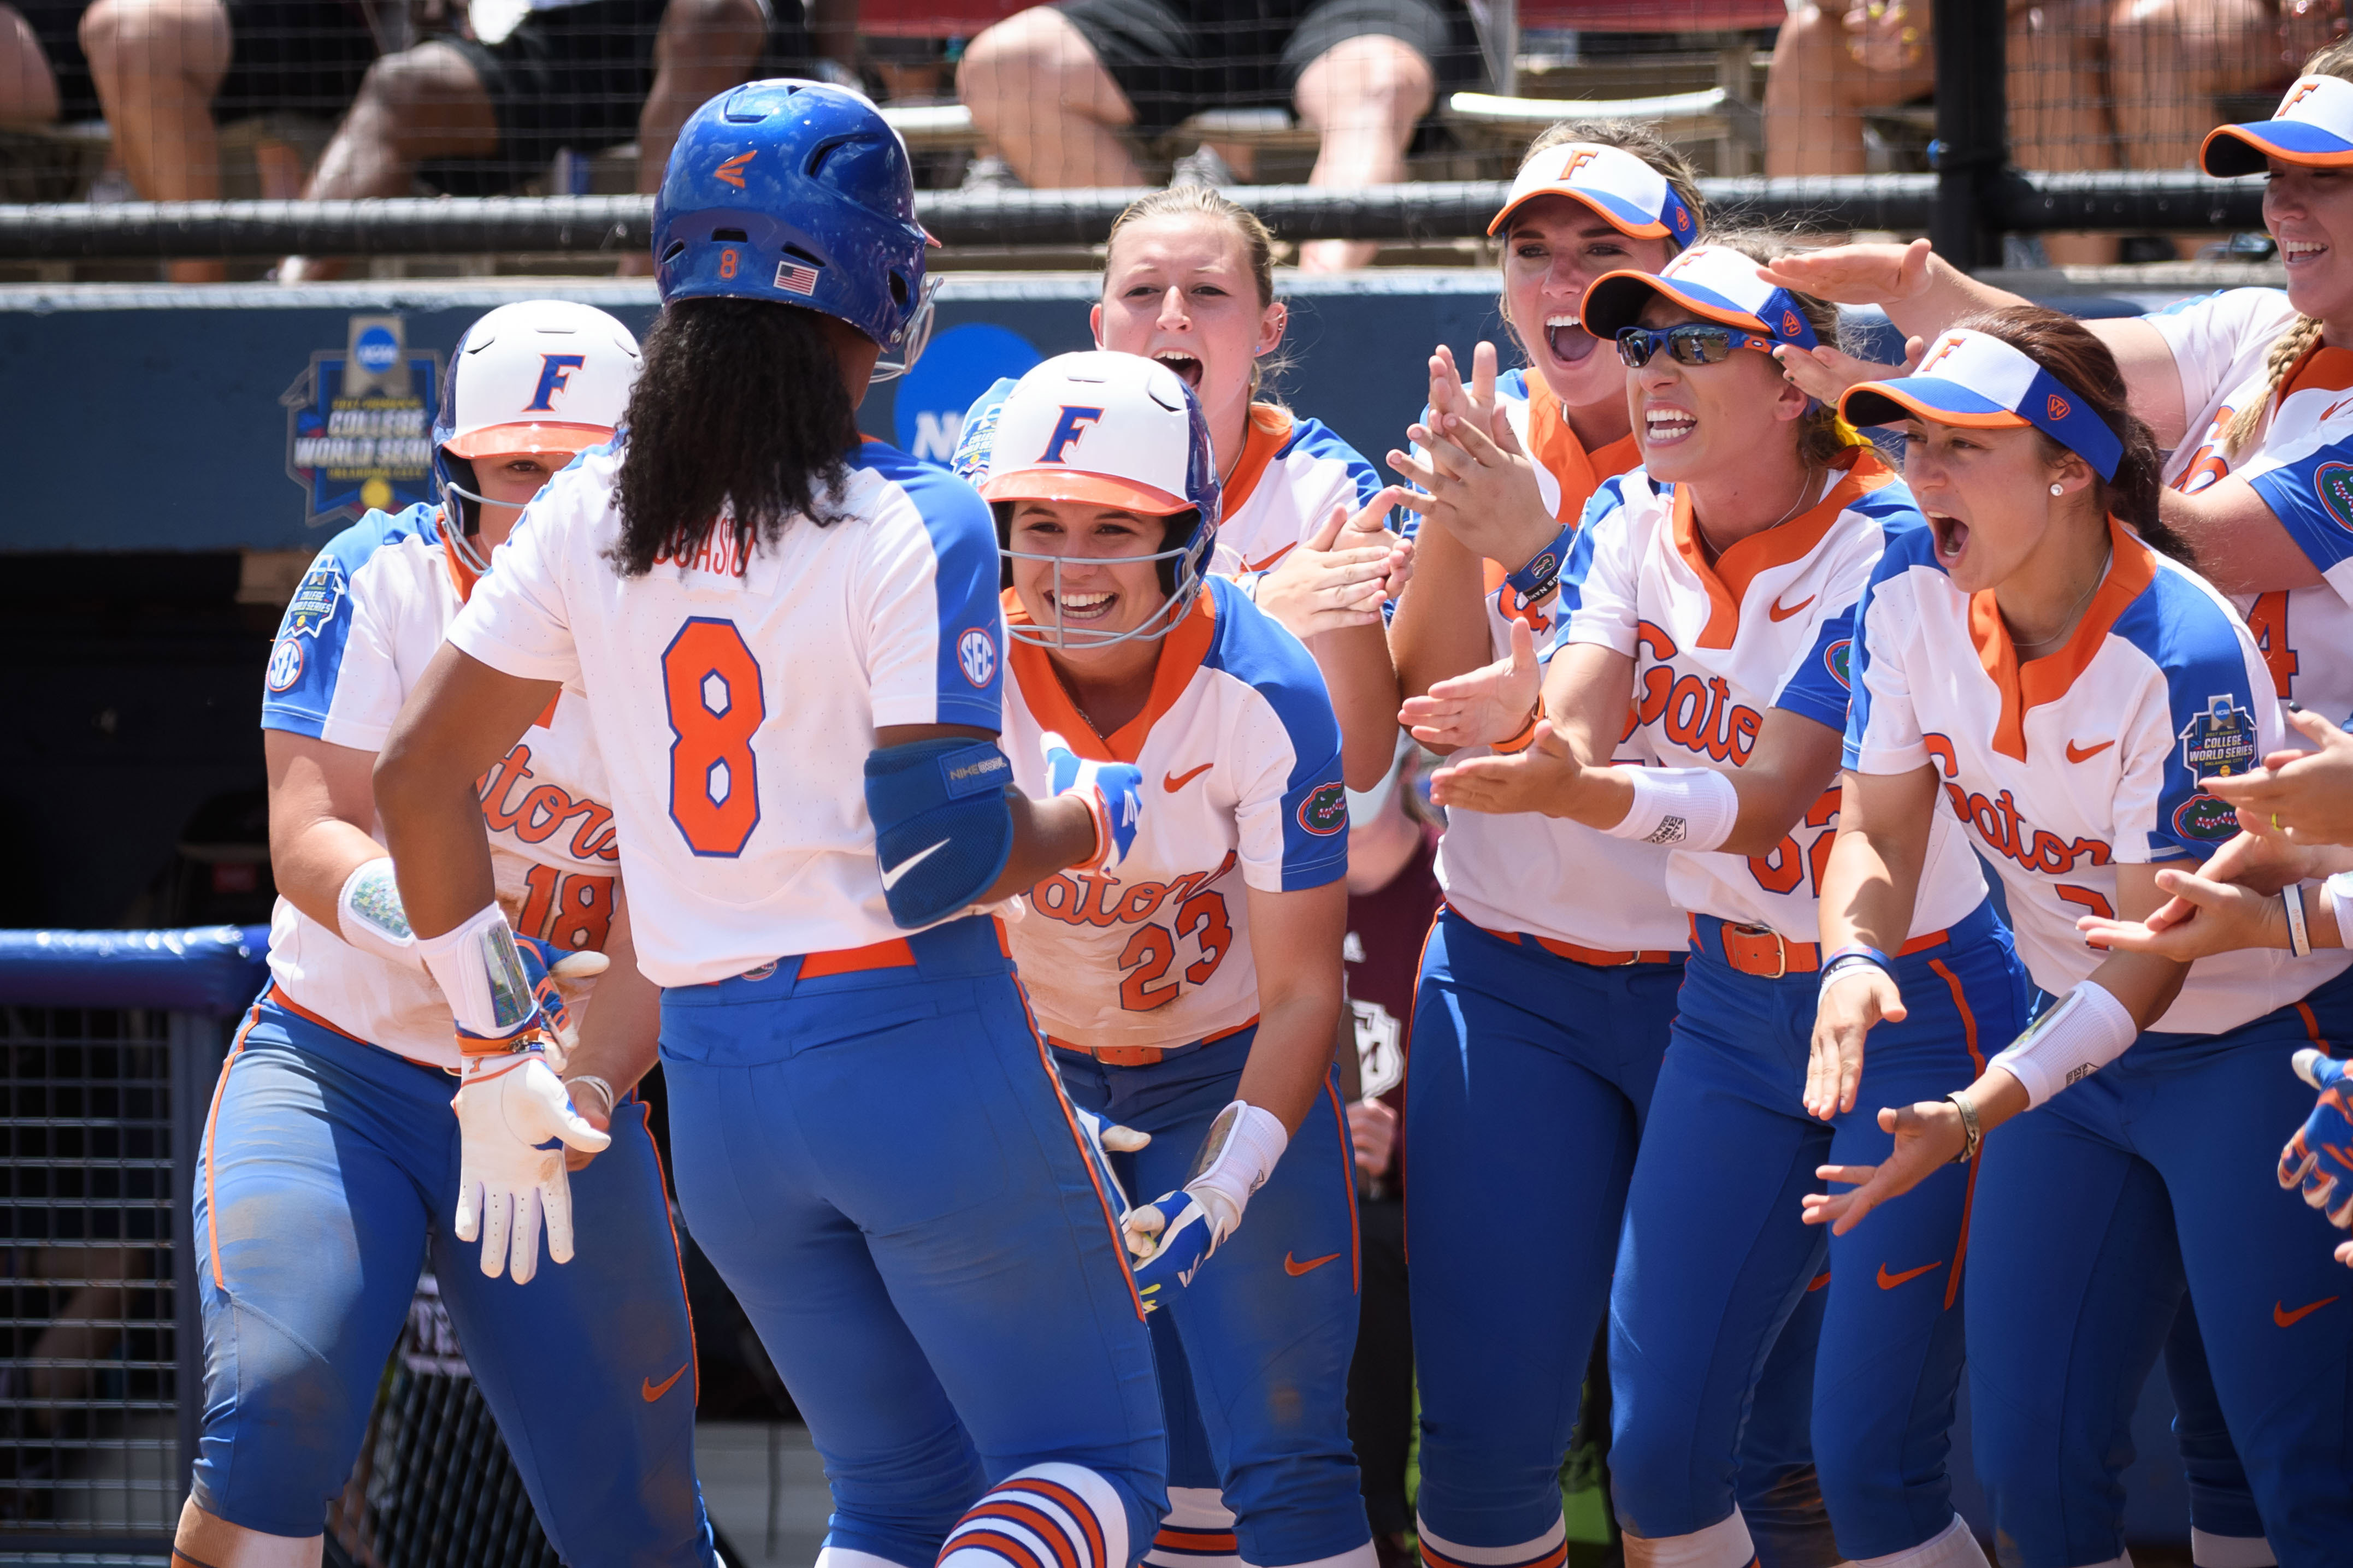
[1242,776]
[367,620]
[736,697]
[2080,761]
[1716,647]
[2301,463]
[1525,872]
[1292,473]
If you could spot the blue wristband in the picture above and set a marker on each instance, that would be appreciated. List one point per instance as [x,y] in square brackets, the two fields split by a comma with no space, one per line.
[1538,577]
[1855,950]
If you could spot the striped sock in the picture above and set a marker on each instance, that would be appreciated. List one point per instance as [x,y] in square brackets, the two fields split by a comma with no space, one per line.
[1549,1550]
[1047,1516]
[1198,1531]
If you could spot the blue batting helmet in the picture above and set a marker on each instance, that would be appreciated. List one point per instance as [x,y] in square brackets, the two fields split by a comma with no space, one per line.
[796,192]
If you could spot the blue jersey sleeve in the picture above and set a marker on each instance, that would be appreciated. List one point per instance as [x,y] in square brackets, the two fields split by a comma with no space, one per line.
[328,633]
[2215,721]
[2313,499]
[966,613]
[1305,795]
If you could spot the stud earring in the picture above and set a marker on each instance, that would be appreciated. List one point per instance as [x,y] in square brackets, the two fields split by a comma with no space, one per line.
[2058,490]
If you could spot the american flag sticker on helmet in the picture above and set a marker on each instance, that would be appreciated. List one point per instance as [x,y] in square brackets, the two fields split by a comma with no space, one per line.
[794,277]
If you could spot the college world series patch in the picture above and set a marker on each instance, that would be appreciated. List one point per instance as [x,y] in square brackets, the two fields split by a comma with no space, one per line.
[2220,741]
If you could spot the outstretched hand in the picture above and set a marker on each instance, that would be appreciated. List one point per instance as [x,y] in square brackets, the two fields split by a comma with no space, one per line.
[1927,1134]
[1855,274]
[1480,485]
[1487,705]
[1825,374]
[1342,574]
[1857,998]
[1544,778]
[2304,797]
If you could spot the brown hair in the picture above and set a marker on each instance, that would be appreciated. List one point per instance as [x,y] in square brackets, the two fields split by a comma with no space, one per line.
[1207,201]
[1643,140]
[2303,332]
[2083,364]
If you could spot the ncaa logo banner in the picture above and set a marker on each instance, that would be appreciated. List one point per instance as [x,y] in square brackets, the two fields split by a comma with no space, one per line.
[359,425]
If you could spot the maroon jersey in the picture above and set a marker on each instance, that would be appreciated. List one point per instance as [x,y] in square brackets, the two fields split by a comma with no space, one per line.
[1386,931]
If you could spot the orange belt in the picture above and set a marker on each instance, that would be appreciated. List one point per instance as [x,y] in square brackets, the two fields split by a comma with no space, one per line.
[891,953]
[1761,951]
[1595,957]
[1145,1055]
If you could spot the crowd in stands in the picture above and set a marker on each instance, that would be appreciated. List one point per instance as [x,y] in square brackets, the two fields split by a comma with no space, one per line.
[436,95]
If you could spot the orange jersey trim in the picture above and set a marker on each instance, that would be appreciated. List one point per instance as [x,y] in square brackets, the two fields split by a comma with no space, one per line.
[1070,1117]
[277,995]
[2047,679]
[1181,653]
[1262,437]
[462,577]
[1727,581]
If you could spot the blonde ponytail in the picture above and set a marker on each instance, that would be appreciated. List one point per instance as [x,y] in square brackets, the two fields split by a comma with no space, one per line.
[2287,352]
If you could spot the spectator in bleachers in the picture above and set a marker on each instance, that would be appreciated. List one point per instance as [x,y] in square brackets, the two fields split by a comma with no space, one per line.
[1830,66]
[476,119]
[168,72]
[44,77]
[1058,89]
[2169,59]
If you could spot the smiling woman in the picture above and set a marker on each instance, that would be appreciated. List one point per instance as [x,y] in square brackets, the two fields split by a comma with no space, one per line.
[1193,995]
[1189,282]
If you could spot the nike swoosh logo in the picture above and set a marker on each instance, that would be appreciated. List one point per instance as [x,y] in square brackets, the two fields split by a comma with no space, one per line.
[891,877]
[1295,1269]
[653,1391]
[2085,754]
[1172,782]
[2330,413]
[2287,1319]
[1779,614]
[1262,565]
[1889,1282]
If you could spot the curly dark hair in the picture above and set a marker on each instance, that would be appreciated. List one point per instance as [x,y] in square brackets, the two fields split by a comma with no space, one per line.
[740,414]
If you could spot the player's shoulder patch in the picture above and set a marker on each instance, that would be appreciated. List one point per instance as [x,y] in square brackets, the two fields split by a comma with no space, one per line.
[319,598]
[976,439]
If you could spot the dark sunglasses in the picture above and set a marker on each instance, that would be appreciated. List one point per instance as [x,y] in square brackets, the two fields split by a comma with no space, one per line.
[1691,344]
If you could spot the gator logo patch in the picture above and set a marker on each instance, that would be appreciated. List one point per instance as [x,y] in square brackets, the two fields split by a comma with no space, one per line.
[1326,810]
[2333,482]
[2205,818]
[1838,657]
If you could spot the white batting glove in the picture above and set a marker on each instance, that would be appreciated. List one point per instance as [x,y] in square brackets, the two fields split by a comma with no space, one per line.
[514,1120]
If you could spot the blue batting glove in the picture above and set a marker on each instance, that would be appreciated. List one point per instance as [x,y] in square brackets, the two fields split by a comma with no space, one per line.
[1171,1237]
[1113,793]
[2319,1158]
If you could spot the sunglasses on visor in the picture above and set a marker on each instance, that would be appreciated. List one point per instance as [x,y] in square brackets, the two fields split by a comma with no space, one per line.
[1694,342]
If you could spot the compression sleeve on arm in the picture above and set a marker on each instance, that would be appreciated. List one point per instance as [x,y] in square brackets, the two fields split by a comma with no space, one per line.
[2086,1030]
[942,826]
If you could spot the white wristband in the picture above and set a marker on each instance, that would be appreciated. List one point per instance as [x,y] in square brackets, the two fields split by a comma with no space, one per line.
[480,975]
[2299,934]
[2339,890]
[368,914]
[1235,1161]
[2085,1032]
[1691,809]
